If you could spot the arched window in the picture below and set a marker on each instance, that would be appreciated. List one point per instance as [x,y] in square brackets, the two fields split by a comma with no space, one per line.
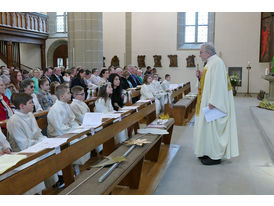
[194,29]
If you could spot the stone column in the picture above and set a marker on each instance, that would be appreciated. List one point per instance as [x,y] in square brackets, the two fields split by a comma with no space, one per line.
[128,59]
[85,39]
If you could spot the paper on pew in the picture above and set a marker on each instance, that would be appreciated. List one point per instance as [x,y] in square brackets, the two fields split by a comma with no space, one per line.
[93,119]
[82,128]
[45,144]
[111,115]
[143,100]
[129,107]
[173,86]
[9,160]
[152,131]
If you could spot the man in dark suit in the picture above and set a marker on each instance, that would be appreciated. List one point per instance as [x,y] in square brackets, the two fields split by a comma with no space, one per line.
[133,76]
[47,74]
[56,76]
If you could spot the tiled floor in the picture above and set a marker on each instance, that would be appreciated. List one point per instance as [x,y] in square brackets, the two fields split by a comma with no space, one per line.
[250,173]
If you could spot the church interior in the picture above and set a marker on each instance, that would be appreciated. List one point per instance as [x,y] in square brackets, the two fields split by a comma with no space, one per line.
[165,163]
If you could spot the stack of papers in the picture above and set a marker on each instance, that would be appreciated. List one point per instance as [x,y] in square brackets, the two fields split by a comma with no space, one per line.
[212,114]
[45,144]
[9,160]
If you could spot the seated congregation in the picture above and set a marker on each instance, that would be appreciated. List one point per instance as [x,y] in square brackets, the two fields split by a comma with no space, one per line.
[62,98]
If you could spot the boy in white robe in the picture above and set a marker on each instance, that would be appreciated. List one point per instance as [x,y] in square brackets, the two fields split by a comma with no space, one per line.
[5,147]
[165,84]
[78,106]
[61,120]
[24,132]
[159,93]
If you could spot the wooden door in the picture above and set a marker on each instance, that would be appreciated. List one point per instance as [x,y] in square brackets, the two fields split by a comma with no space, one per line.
[60,56]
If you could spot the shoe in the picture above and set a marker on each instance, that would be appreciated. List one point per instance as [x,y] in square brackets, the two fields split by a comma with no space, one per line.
[209,161]
[60,183]
[203,157]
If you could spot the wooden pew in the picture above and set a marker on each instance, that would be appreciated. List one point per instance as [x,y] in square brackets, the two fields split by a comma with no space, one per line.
[25,179]
[134,93]
[167,126]
[128,173]
[182,108]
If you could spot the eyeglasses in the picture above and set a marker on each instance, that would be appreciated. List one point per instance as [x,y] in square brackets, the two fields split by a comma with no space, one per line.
[31,86]
[81,94]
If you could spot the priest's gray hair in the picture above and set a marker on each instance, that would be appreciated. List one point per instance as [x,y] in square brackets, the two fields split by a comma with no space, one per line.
[209,48]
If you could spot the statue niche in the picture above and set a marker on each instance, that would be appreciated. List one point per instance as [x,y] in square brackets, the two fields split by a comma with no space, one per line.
[141,61]
[157,61]
[190,62]
[173,60]
[115,61]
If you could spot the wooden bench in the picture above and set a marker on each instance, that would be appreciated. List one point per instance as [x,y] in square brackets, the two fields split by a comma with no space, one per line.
[24,179]
[182,108]
[128,173]
[167,126]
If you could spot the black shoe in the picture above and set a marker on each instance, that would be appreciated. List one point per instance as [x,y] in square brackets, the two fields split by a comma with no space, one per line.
[203,157]
[60,183]
[209,161]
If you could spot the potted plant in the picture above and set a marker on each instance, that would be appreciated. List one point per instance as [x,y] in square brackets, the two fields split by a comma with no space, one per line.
[235,81]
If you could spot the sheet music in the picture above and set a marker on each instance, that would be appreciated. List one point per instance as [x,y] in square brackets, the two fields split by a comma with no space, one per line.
[93,119]
[212,114]
[45,144]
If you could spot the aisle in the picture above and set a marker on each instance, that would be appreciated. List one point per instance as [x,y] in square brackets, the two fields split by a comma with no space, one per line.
[250,173]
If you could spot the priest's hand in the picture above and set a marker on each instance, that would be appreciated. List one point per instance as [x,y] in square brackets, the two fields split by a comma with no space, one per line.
[198,73]
[211,106]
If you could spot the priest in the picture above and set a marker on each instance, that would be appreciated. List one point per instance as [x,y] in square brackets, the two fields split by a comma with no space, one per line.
[217,139]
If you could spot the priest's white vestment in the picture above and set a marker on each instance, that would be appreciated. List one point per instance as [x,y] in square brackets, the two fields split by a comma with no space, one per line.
[217,139]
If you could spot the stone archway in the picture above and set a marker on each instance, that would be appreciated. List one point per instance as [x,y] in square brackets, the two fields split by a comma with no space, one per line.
[52,48]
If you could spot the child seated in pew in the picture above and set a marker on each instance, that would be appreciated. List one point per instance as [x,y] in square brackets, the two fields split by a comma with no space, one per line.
[61,120]
[117,98]
[5,147]
[103,105]
[52,89]
[43,94]
[27,86]
[24,132]
[165,84]
[148,92]
[78,106]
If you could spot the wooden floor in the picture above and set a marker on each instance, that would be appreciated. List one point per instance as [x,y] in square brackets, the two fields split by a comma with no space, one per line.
[152,173]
